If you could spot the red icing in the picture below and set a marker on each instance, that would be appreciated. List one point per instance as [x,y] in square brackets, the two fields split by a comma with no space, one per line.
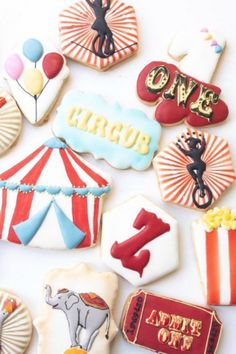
[170,326]
[52,64]
[168,111]
[91,299]
[3,101]
[152,227]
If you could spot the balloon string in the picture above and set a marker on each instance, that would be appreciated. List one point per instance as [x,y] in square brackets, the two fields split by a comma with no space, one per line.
[24,89]
[36,109]
[43,88]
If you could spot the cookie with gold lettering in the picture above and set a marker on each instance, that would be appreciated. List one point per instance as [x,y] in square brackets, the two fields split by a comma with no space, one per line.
[165,325]
[144,242]
[123,137]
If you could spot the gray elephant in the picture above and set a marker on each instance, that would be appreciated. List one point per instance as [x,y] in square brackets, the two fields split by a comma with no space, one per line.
[85,313]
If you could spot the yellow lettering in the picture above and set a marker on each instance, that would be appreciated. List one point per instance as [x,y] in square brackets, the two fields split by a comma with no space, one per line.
[175,338]
[163,335]
[85,116]
[203,106]
[157,79]
[187,343]
[164,319]
[153,319]
[129,137]
[195,327]
[176,322]
[142,146]
[113,134]
[99,126]
[70,120]
[185,325]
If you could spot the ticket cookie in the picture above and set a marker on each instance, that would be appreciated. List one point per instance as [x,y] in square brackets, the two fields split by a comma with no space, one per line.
[123,137]
[198,52]
[99,33]
[10,121]
[195,169]
[15,324]
[42,209]
[214,238]
[77,313]
[165,325]
[36,74]
[140,241]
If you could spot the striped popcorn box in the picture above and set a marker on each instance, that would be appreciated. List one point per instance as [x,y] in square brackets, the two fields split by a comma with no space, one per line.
[215,244]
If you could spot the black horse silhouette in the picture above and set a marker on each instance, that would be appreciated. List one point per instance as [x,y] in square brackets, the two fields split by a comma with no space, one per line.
[104,34]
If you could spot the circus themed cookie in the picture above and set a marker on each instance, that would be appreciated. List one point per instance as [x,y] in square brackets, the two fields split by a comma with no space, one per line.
[214,238]
[41,209]
[15,324]
[10,121]
[35,74]
[99,33]
[195,169]
[198,52]
[137,240]
[165,325]
[180,97]
[77,312]
[123,137]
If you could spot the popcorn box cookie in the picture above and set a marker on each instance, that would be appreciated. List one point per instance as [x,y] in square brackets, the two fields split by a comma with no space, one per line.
[165,325]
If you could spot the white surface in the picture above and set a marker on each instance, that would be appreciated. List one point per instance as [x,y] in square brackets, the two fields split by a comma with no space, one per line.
[22,269]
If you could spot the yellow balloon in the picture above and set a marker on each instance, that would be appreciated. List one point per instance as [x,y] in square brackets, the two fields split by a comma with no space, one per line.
[75,351]
[33,81]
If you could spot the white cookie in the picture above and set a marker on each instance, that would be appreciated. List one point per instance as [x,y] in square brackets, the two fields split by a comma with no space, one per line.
[140,241]
[76,315]
[36,73]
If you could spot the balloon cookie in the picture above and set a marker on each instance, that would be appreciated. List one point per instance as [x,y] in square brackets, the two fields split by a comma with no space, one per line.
[39,211]
[10,121]
[166,325]
[99,33]
[36,75]
[123,137]
[195,169]
[140,241]
[15,324]
[77,313]
[214,238]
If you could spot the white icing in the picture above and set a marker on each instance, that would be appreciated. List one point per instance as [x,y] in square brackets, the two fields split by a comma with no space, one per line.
[118,226]
[225,287]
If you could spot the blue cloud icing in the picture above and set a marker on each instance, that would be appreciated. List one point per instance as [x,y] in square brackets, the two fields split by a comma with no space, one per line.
[102,148]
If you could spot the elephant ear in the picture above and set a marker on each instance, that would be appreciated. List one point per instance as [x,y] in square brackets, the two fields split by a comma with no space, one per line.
[71,301]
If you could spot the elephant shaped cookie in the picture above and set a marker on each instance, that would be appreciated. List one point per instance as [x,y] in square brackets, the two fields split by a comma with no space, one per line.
[87,312]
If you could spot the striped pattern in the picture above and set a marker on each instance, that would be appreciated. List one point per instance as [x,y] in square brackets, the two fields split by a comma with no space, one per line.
[175,182]
[16,329]
[77,35]
[215,252]
[39,169]
[10,122]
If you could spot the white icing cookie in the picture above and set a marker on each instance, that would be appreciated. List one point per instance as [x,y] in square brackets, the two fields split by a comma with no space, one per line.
[10,121]
[198,52]
[214,238]
[36,73]
[15,324]
[140,241]
[39,211]
[76,315]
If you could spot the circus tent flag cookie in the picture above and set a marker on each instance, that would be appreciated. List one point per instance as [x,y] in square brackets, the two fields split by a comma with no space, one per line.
[36,73]
[99,33]
[10,121]
[77,312]
[15,324]
[140,241]
[166,325]
[214,238]
[123,137]
[195,169]
[38,211]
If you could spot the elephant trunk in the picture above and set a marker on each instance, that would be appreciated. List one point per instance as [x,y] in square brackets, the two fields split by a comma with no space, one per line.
[48,296]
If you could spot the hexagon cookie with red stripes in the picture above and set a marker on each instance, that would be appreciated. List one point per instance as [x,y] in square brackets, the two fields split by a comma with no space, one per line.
[99,33]
[52,199]
[195,169]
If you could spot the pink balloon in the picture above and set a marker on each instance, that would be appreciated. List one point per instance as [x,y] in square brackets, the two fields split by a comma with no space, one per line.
[52,64]
[14,66]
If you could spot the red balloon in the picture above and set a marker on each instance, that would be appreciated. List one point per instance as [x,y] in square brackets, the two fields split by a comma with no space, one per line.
[52,65]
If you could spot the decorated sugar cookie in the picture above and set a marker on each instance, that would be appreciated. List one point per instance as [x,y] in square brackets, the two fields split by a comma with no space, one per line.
[139,241]
[15,324]
[10,121]
[123,137]
[77,314]
[36,74]
[195,169]
[214,238]
[99,33]
[165,325]
[42,209]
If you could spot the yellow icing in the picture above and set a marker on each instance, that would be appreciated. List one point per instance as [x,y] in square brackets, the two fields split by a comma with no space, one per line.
[75,351]
[224,217]
[33,80]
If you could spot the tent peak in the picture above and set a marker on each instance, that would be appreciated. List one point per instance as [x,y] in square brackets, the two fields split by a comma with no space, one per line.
[55,143]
